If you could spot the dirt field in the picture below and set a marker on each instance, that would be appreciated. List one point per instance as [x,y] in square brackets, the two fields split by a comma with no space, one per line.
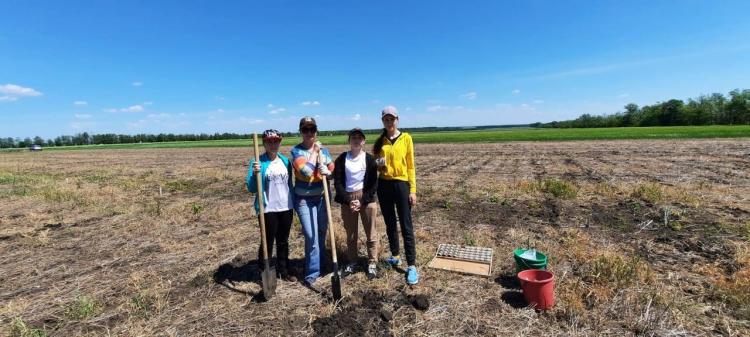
[645,238]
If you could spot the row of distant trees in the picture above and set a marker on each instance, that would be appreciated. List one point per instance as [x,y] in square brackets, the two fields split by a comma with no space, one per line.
[704,110]
[110,138]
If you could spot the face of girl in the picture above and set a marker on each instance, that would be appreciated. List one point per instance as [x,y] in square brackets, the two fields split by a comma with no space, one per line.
[308,133]
[390,122]
[356,142]
[272,145]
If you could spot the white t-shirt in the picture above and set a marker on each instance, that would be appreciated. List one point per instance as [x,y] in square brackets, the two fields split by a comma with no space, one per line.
[277,193]
[355,171]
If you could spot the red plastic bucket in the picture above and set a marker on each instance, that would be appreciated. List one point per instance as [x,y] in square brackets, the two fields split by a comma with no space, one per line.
[538,286]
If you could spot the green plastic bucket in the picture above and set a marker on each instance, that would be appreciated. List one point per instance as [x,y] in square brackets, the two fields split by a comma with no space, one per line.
[523,263]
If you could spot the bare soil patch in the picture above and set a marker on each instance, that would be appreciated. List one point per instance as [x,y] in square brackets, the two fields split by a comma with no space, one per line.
[644,237]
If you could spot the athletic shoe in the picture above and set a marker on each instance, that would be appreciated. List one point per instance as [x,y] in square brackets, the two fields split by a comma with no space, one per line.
[412,276]
[349,269]
[394,261]
[372,271]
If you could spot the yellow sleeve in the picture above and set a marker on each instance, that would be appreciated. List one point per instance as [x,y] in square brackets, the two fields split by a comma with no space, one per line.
[411,169]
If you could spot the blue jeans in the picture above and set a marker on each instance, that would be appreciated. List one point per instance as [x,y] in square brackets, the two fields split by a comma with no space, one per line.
[312,215]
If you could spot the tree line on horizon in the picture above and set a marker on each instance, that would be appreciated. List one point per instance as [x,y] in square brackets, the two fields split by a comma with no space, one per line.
[714,109]
[85,138]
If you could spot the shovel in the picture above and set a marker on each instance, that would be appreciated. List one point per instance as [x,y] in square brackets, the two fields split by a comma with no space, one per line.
[336,277]
[268,276]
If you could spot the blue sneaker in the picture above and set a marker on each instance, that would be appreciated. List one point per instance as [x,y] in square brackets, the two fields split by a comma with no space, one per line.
[394,261]
[412,276]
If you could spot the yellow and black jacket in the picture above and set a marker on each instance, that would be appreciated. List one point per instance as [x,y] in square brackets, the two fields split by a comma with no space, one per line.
[399,161]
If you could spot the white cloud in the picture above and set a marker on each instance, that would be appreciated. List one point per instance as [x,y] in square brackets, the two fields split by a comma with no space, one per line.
[219,98]
[469,95]
[525,106]
[356,117]
[158,116]
[435,108]
[308,103]
[134,108]
[81,125]
[275,111]
[623,95]
[80,103]
[82,116]
[219,110]
[250,121]
[270,106]
[137,84]
[109,110]
[516,91]
[12,92]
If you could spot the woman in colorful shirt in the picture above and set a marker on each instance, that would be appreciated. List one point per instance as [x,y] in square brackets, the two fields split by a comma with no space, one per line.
[276,174]
[356,180]
[397,188]
[311,161]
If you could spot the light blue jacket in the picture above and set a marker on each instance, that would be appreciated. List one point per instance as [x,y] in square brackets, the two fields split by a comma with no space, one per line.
[252,184]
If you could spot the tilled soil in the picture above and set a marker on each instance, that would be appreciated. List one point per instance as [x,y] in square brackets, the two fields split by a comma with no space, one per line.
[659,228]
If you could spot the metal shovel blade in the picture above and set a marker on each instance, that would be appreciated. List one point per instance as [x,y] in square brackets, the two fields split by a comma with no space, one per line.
[336,283]
[268,277]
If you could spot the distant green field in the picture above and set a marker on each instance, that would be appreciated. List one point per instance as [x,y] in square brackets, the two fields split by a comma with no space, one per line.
[473,136]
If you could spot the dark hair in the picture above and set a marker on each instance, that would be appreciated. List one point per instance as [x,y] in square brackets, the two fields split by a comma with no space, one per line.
[379,143]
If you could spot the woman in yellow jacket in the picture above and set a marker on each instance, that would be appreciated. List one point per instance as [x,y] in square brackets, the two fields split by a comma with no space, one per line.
[397,188]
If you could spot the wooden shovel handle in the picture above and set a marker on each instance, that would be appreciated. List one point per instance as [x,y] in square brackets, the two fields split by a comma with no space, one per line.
[261,214]
[328,210]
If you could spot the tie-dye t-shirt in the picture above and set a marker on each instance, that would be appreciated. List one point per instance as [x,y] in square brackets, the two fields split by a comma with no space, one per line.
[308,181]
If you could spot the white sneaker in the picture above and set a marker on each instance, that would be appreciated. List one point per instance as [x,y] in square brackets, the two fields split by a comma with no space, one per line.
[372,271]
[350,269]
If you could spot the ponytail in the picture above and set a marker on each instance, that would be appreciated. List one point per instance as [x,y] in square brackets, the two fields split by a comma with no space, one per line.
[379,143]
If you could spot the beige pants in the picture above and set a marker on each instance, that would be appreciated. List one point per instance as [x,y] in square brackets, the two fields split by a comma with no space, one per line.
[369,214]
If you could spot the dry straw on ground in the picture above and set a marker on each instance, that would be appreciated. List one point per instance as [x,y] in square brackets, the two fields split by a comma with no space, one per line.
[645,238]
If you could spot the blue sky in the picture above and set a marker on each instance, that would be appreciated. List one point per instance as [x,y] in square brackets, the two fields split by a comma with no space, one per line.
[241,66]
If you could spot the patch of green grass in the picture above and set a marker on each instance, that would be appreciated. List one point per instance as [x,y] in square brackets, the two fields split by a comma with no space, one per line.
[559,188]
[183,185]
[649,192]
[469,239]
[50,193]
[95,178]
[143,302]
[80,309]
[618,271]
[19,328]
[447,204]
[197,208]
[474,136]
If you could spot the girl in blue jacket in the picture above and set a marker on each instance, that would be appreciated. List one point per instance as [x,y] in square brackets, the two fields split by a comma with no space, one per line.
[276,172]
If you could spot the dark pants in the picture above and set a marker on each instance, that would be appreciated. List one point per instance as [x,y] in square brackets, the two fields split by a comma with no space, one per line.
[395,194]
[278,225]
